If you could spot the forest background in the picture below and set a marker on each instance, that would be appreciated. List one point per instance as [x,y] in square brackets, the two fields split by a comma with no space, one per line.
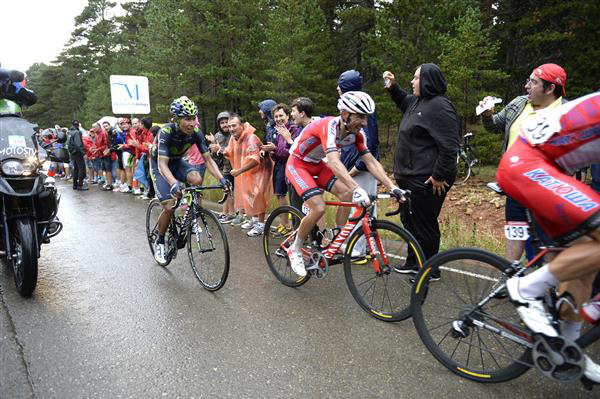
[231,54]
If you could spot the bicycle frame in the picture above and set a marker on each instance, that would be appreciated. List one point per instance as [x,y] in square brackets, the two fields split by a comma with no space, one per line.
[332,248]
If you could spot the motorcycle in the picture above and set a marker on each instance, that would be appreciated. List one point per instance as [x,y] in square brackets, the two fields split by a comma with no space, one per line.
[28,198]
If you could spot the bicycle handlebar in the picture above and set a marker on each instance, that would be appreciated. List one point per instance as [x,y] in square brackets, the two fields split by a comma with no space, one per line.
[406,194]
[200,189]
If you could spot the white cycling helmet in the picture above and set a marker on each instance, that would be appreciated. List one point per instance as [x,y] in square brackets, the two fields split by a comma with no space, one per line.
[356,102]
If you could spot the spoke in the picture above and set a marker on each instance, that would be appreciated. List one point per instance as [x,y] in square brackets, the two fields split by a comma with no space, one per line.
[441,325]
[455,348]
[488,350]
[443,338]
[469,351]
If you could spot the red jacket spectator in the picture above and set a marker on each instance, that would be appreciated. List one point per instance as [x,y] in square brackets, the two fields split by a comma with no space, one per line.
[101,143]
[144,137]
[88,143]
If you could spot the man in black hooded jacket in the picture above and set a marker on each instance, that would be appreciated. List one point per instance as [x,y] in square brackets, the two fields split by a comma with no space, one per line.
[425,155]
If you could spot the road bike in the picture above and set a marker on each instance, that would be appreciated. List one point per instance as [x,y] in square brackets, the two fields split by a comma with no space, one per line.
[468,324]
[467,160]
[198,229]
[380,244]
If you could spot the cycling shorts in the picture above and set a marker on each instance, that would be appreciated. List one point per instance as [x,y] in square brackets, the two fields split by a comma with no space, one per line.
[309,178]
[563,206]
[180,170]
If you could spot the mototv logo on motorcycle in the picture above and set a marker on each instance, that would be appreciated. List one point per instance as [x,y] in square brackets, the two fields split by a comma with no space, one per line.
[129,94]
[16,151]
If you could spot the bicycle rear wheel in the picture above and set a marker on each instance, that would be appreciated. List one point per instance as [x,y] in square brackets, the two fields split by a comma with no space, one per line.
[152,214]
[463,169]
[474,161]
[277,239]
[208,250]
[462,324]
[384,295]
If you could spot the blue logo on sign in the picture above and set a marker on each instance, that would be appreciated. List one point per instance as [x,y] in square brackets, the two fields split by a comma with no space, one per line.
[137,90]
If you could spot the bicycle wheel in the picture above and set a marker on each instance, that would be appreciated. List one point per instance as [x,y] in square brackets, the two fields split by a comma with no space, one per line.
[276,241]
[463,169]
[152,214]
[208,250]
[474,161]
[462,324]
[384,295]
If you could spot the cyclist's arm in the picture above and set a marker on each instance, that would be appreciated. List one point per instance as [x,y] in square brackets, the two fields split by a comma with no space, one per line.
[377,170]
[339,170]
[212,166]
[163,169]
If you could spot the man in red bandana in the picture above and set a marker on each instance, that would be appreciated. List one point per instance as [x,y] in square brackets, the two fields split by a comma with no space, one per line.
[545,91]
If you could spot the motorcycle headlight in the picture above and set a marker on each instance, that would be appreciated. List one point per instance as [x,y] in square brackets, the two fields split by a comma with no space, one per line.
[12,168]
[15,167]
[29,166]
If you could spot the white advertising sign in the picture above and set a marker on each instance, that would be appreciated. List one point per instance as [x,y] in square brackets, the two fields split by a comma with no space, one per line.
[129,94]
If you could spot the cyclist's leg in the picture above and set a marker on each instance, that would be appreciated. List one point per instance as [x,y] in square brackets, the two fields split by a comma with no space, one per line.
[566,209]
[344,193]
[162,188]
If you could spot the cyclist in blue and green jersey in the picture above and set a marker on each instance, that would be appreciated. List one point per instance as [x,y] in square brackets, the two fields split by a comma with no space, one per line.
[173,142]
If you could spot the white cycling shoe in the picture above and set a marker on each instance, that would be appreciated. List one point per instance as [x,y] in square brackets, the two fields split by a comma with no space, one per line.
[159,253]
[532,311]
[296,261]
[592,370]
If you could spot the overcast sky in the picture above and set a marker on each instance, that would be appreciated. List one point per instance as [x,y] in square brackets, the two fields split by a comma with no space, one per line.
[35,30]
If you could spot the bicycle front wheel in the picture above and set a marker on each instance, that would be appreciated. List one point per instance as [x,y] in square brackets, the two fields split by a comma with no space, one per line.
[384,295]
[278,236]
[208,250]
[466,320]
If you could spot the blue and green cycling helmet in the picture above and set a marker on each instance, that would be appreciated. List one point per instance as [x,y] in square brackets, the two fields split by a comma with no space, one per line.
[183,106]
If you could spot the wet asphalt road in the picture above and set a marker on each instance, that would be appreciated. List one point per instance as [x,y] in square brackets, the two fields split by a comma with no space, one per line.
[105,321]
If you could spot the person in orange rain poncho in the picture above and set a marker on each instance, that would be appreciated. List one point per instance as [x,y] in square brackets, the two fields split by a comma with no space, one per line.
[252,173]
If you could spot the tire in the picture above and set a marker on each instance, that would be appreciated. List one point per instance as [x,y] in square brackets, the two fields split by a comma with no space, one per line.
[475,162]
[208,250]
[463,170]
[385,296]
[152,213]
[272,241]
[25,265]
[467,277]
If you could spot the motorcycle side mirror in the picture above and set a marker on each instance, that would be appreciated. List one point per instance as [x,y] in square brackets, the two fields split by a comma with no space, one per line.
[58,155]
[61,137]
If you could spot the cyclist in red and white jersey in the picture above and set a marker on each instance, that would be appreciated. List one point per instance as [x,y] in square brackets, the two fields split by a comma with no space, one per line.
[310,175]
[535,172]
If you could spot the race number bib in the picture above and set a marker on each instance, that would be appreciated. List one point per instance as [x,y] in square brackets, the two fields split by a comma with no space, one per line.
[518,231]
[540,128]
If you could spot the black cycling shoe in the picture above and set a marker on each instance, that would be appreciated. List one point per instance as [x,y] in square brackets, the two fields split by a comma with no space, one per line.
[406,269]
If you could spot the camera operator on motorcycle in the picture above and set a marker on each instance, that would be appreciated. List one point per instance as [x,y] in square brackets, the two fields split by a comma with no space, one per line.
[174,140]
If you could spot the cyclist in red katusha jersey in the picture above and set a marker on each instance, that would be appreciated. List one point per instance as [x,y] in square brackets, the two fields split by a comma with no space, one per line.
[535,171]
[310,174]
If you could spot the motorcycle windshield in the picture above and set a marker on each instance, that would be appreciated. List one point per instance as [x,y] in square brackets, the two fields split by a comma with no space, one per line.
[16,138]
